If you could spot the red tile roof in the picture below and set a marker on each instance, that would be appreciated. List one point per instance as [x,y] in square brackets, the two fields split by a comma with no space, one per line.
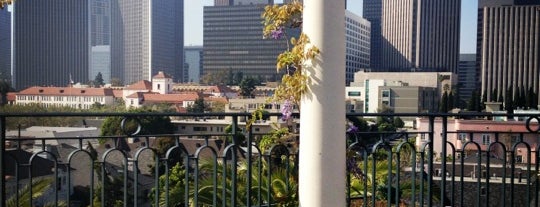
[141,85]
[118,93]
[11,96]
[66,91]
[169,98]
[219,89]
[162,75]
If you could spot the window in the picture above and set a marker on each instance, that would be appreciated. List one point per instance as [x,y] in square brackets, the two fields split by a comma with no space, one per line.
[158,86]
[386,93]
[486,139]
[355,93]
[519,158]
[200,129]
[462,137]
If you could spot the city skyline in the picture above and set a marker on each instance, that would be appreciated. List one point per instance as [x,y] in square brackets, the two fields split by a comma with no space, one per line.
[193,21]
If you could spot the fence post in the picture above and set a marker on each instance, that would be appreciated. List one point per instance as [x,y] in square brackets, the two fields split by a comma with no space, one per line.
[3,196]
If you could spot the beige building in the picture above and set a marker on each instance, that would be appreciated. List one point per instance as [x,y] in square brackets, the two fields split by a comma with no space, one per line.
[509,47]
[420,35]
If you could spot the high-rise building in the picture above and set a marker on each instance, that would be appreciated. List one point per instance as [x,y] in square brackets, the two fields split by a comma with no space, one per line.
[357,32]
[372,11]
[468,76]
[233,42]
[420,35]
[100,39]
[5,43]
[193,59]
[50,42]
[508,47]
[146,37]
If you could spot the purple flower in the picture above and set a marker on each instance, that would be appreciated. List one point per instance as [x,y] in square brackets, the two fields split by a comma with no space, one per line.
[278,33]
[286,110]
[352,129]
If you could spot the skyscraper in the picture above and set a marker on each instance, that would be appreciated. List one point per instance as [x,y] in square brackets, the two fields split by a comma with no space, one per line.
[193,58]
[146,37]
[233,41]
[372,11]
[509,46]
[420,35]
[100,39]
[5,43]
[467,76]
[50,42]
[357,44]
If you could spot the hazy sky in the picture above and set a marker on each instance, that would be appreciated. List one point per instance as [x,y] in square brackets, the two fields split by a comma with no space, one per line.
[193,20]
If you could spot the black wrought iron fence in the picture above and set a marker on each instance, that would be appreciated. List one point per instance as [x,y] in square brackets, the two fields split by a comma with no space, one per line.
[215,160]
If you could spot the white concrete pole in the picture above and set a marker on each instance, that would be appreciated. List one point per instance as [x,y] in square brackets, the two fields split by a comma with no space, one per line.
[322,119]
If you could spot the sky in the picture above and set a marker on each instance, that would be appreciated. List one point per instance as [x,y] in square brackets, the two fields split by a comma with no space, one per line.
[193,21]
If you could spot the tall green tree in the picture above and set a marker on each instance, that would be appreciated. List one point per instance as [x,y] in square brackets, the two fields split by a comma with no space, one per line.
[238,77]
[5,87]
[198,106]
[98,80]
[247,86]
[443,106]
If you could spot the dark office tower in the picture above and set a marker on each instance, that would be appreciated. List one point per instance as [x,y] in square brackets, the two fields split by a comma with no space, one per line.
[509,47]
[193,59]
[372,11]
[5,43]
[420,35]
[468,76]
[233,41]
[50,42]
[146,37]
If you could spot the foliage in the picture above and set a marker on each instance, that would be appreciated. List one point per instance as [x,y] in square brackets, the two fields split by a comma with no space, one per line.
[149,125]
[38,187]
[4,3]
[215,78]
[176,189]
[240,137]
[116,82]
[276,136]
[27,121]
[398,122]
[198,106]
[98,80]
[283,183]
[294,82]
[247,86]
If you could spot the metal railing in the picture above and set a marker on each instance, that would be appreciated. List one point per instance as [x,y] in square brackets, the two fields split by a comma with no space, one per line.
[213,167]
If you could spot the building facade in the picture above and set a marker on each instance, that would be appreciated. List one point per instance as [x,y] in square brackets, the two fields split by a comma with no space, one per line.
[58,29]
[372,11]
[193,58]
[233,42]
[420,35]
[357,32]
[146,37]
[5,43]
[468,76]
[100,39]
[509,47]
